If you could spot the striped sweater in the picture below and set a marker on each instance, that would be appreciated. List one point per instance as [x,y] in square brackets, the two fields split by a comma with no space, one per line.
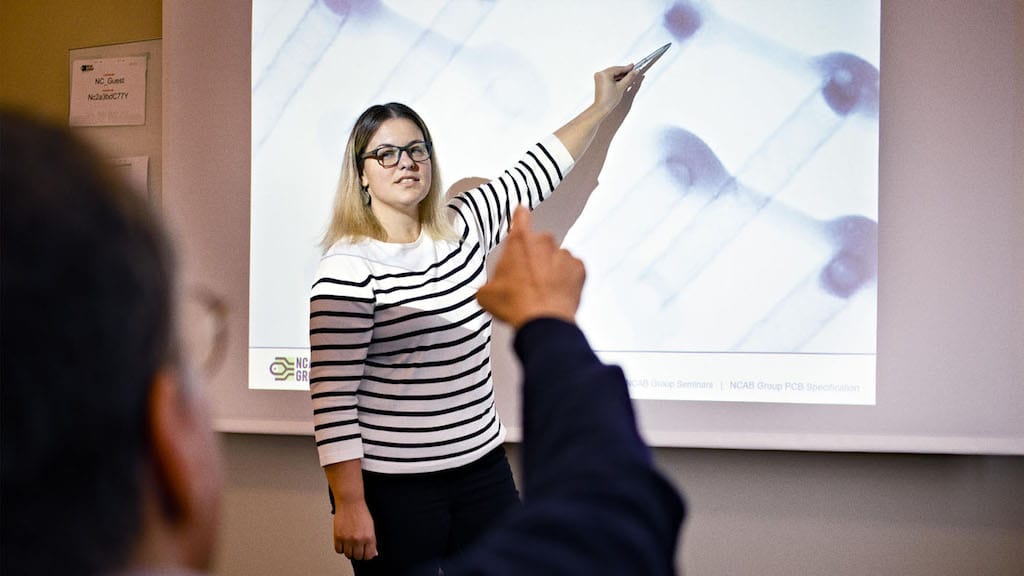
[400,371]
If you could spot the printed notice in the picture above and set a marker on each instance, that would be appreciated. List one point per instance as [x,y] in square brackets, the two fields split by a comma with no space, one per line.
[108,92]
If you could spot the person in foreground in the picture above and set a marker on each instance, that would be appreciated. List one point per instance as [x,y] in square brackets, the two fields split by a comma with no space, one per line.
[594,503]
[110,465]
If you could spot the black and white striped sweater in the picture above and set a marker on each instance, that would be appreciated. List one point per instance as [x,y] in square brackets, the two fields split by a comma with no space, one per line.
[400,349]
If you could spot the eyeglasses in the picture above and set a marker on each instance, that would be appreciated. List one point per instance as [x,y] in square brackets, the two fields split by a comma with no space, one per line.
[388,155]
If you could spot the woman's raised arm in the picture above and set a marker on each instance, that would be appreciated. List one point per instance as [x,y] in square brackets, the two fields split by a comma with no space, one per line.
[610,85]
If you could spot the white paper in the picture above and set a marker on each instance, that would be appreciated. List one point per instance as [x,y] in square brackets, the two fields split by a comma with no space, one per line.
[108,92]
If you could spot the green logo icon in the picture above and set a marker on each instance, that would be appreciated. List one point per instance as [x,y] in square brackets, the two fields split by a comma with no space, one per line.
[283,368]
[290,368]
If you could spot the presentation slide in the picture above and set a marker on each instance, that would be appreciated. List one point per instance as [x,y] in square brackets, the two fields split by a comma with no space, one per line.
[731,240]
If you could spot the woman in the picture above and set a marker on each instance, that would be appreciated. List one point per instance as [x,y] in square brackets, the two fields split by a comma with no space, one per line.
[403,405]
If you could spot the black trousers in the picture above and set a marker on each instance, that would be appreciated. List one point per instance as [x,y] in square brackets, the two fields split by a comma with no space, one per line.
[422,519]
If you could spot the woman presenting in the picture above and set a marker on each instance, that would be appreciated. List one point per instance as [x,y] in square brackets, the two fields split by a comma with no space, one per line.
[403,405]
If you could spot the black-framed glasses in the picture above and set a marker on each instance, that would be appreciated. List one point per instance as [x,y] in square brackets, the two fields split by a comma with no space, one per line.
[388,155]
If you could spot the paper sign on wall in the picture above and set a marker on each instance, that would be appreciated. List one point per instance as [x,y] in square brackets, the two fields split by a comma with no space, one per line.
[108,92]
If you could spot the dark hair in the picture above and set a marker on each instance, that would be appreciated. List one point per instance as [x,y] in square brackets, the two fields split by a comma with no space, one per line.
[87,286]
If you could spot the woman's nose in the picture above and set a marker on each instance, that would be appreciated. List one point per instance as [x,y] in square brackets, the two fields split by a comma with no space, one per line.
[405,160]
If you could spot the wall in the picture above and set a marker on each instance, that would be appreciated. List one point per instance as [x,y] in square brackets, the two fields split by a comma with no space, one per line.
[37,35]
[766,513]
[770,513]
[37,43]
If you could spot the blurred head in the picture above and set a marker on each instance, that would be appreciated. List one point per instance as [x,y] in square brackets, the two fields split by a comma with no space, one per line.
[364,181]
[92,380]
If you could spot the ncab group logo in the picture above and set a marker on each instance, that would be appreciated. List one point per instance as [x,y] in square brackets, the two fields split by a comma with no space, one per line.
[278,369]
[290,369]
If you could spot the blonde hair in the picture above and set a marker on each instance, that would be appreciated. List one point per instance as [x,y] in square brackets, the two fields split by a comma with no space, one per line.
[351,216]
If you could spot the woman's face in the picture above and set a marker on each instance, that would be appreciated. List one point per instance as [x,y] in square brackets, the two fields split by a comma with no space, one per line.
[399,188]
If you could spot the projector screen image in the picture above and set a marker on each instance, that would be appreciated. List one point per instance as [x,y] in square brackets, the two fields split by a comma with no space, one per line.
[731,234]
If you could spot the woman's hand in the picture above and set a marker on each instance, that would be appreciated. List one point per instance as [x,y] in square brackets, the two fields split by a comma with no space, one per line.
[353,531]
[611,84]
[354,535]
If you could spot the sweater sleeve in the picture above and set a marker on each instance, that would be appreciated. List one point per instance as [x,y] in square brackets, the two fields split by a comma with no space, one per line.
[594,503]
[340,328]
[488,209]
